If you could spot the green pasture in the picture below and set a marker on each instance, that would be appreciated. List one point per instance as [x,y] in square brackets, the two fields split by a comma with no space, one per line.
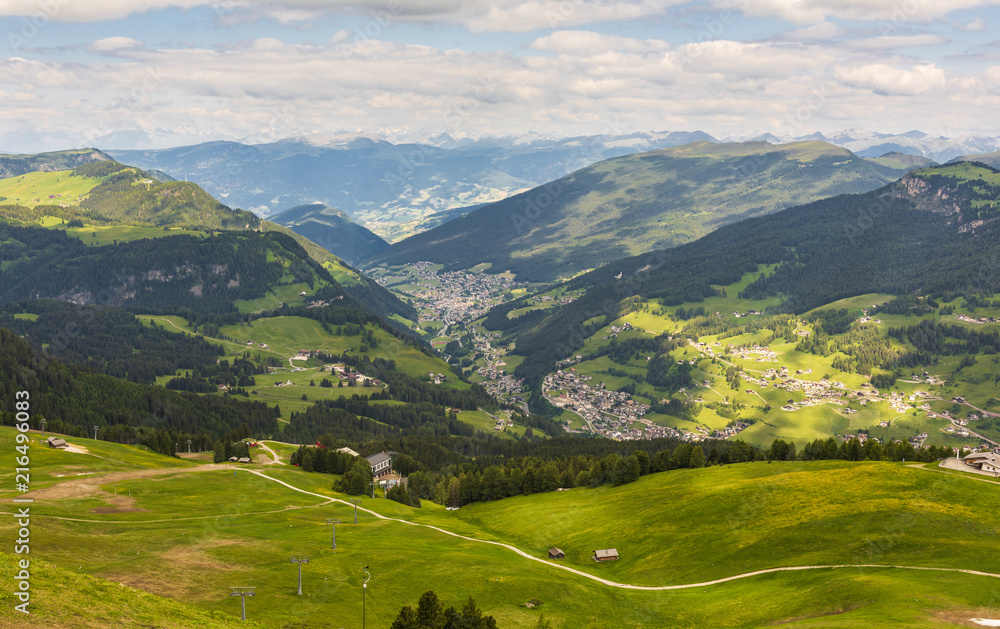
[186,536]
[34,188]
[51,466]
[283,294]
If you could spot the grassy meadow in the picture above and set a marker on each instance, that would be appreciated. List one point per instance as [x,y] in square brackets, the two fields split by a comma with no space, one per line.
[285,336]
[187,534]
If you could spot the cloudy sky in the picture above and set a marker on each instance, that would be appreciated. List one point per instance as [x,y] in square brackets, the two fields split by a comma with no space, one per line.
[156,73]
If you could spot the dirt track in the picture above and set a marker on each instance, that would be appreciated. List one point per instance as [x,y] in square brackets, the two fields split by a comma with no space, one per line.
[91,485]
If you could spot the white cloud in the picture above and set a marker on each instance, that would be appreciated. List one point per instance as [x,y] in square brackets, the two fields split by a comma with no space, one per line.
[586,43]
[476,15]
[91,11]
[889,42]
[890,81]
[114,44]
[893,12]
[821,30]
[263,89]
[978,24]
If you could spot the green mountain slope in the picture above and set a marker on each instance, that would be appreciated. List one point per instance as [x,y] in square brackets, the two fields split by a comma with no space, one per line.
[902,162]
[637,203]
[933,231]
[106,202]
[333,230]
[73,398]
[98,603]
[14,165]
[208,274]
[993,159]
[109,193]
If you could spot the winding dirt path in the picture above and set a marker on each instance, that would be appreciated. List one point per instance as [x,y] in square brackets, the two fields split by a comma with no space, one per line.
[275,459]
[626,586]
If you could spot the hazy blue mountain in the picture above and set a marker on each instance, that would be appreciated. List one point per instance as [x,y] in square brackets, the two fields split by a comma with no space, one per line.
[391,189]
[333,230]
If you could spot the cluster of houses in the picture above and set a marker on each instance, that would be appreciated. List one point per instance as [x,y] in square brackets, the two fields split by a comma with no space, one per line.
[356,378]
[562,301]
[453,296]
[498,382]
[503,421]
[566,362]
[755,353]
[616,330]
[730,431]
[977,320]
[609,413]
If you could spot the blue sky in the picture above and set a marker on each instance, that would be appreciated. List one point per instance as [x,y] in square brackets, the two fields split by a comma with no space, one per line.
[156,73]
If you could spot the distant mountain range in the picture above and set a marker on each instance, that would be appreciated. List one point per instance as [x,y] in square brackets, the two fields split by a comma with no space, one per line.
[399,189]
[392,189]
[873,144]
[627,205]
[333,230]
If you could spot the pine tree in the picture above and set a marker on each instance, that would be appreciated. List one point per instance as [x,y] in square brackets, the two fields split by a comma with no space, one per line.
[430,614]
[407,619]
[697,457]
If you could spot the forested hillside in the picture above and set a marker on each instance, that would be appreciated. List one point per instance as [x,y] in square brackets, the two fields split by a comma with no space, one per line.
[106,339]
[203,274]
[104,202]
[73,399]
[934,232]
[628,205]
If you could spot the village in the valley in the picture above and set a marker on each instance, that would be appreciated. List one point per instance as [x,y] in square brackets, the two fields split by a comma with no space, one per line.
[457,299]
[448,297]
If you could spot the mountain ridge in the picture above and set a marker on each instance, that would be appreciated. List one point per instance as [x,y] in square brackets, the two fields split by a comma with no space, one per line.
[640,202]
[333,230]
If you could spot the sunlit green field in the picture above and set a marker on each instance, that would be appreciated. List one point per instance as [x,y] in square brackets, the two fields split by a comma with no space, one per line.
[189,535]
[97,235]
[34,188]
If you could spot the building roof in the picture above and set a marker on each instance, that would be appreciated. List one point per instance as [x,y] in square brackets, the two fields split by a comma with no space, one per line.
[979,458]
[609,552]
[56,442]
[978,455]
[376,459]
[555,551]
[348,451]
